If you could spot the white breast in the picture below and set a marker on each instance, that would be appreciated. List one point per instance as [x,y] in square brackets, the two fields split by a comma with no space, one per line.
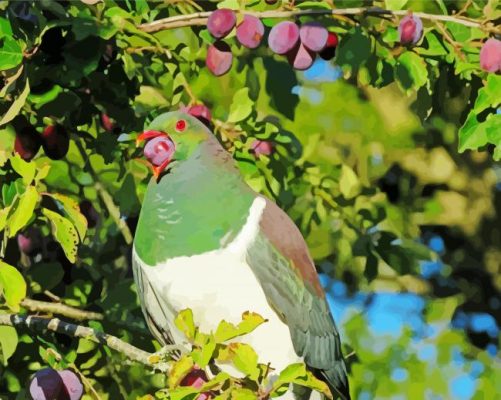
[220,285]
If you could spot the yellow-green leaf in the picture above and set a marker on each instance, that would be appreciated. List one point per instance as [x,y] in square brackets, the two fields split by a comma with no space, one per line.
[64,232]
[226,331]
[241,106]
[243,394]
[16,106]
[298,374]
[43,171]
[11,53]
[23,211]
[26,169]
[207,345]
[72,211]
[395,4]
[250,321]
[179,370]
[4,212]
[349,185]
[215,382]
[8,343]
[184,322]
[12,286]
[245,359]
[183,392]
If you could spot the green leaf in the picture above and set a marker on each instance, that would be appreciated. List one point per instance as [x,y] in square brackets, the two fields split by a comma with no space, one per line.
[183,392]
[226,331]
[488,96]
[231,4]
[16,106]
[354,49]
[44,276]
[42,172]
[184,322]
[8,343]
[244,358]
[243,394]
[26,169]
[371,267]
[411,71]
[312,4]
[5,28]
[297,373]
[11,53]
[179,370]
[349,185]
[150,98]
[72,211]
[4,212]
[12,286]
[473,134]
[207,346]
[395,4]
[23,211]
[64,233]
[40,99]
[443,309]
[218,380]
[241,106]
[442,6]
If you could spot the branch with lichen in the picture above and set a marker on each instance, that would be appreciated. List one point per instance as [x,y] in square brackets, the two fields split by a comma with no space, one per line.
[200,18]
[60,309]
[78,331]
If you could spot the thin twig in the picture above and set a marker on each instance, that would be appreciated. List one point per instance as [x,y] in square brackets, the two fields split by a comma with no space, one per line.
[106,198]
[455,45]
[60,309]
[86,382]
[54,297]
[78,331]
[200,18]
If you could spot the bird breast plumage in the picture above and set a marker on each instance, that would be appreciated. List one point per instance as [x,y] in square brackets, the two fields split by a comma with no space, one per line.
[219,285]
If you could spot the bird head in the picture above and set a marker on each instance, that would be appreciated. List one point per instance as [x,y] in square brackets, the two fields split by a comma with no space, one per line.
[172,136]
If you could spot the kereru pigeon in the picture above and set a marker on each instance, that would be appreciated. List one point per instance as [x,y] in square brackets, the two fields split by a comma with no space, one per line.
[206,241]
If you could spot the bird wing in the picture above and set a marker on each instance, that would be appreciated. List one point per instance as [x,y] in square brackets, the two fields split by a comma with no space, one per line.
[280,259]
[151,303]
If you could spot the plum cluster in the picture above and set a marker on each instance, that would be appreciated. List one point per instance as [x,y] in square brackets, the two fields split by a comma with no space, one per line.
[55,140]
[410,31]
[49,384]
[300,44]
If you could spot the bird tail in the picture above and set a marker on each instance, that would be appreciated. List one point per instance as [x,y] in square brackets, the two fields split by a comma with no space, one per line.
[337,380]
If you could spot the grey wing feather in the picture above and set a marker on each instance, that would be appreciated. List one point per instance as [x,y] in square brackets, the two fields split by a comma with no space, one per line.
[151,304]
[313,331]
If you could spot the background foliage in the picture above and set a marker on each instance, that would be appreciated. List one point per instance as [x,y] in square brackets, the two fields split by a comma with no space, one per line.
[385,159]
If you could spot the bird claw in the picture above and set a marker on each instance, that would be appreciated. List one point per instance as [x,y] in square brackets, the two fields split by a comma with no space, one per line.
[167,352]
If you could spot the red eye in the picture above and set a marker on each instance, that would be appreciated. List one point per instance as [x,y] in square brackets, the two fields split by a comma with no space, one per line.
[180,125]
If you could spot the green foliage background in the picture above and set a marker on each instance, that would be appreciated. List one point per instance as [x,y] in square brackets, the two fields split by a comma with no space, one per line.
[403,146]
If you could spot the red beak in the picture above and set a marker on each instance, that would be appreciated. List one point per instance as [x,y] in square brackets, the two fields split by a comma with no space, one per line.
[150,134]
[146,135]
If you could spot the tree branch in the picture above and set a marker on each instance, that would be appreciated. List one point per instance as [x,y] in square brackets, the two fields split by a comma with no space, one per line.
[56,325]
[200,18]
[60,309]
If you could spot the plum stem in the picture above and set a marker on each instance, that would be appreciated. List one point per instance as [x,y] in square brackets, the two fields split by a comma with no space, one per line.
[200,18]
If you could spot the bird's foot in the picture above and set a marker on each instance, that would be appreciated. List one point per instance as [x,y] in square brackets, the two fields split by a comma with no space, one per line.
[167,353]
